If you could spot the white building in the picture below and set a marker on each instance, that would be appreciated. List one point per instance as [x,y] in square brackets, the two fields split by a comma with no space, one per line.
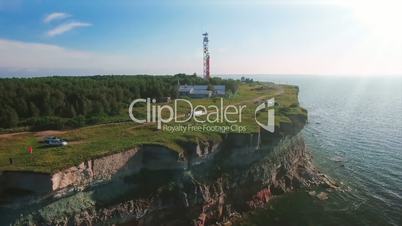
[201,91]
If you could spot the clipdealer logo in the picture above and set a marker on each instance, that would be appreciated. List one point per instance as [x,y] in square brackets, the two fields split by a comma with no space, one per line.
[270,125]
[162,114]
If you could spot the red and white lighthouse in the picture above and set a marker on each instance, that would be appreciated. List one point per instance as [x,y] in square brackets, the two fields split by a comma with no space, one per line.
[206,57]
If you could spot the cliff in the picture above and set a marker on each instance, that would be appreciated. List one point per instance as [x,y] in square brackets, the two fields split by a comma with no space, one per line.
[209,183]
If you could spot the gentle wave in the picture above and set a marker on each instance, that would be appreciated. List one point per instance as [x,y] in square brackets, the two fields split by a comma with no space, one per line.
[358,121]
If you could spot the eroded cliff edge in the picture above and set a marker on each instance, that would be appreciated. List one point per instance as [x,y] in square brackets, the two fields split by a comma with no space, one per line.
[212,182]
[209,184]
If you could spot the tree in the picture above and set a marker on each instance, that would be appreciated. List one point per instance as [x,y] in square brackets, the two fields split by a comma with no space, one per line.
[58,99]
[34,111]
[210,87]
[8,117]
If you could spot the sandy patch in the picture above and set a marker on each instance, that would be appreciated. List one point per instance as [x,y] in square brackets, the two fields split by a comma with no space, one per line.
[10,135]
[49,133]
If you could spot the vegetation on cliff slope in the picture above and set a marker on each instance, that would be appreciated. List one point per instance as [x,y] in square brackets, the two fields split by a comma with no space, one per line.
[99,140]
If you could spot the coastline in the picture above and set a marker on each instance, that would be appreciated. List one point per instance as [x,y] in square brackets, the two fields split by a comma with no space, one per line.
[208,181]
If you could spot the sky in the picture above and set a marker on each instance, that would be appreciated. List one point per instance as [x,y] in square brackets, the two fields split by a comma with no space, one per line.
[314,37]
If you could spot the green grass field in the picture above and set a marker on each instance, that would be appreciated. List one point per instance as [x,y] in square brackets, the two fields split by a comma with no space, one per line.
[99,140]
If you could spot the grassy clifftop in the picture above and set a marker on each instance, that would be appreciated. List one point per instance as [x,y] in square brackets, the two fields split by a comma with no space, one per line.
[99,140]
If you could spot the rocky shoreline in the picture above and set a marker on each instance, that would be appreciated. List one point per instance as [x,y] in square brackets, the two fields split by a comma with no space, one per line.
[209,183]
[214,185]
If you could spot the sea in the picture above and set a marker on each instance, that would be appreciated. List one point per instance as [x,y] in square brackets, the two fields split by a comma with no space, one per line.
[354,132]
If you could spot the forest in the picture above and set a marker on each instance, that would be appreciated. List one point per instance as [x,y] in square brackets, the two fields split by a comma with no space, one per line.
[57,102]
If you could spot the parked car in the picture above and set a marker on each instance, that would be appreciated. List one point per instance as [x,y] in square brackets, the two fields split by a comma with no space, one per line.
[55,141]
[47,139]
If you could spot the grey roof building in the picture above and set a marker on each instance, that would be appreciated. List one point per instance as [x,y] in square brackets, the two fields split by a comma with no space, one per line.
[220,90]
[201,91]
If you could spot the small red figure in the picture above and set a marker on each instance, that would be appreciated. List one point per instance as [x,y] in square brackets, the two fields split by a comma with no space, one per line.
[30,149]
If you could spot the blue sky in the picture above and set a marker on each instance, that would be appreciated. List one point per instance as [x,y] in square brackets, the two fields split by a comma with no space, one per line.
[44,37]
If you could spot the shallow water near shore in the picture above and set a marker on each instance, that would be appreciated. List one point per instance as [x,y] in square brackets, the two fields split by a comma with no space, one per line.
[355,135]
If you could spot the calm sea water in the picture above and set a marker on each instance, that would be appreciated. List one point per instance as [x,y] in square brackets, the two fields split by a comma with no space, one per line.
[355,134]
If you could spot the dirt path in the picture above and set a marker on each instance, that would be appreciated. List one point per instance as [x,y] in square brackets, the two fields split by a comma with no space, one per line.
[49,133]
[9,135]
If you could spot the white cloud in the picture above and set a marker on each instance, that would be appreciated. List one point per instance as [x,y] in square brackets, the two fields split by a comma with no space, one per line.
[66,27]
[23,56]
[30,59]
[55,16]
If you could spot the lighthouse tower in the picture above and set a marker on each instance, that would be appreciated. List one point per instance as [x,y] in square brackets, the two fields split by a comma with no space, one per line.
[206,57]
